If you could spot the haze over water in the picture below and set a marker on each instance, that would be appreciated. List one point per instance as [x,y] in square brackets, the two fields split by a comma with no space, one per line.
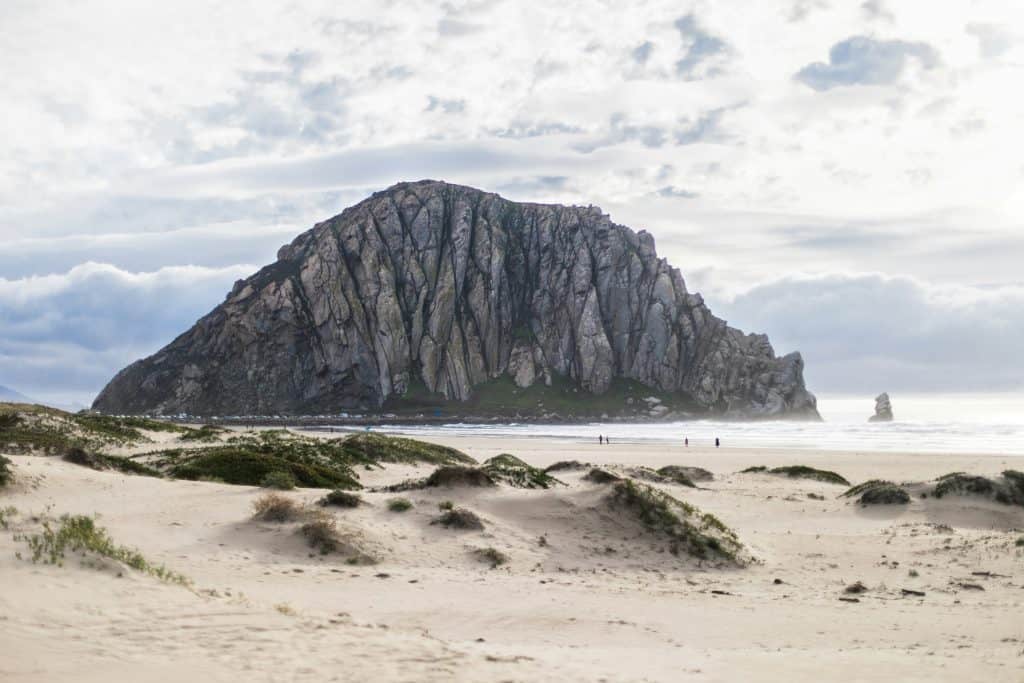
[950,423]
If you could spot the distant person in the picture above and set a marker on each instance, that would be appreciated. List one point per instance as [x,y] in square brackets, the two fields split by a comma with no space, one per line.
[717,442]
[600,439]
[607,441]
[686,442]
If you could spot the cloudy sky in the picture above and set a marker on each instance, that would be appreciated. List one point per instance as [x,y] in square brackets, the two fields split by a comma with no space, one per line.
[843,175]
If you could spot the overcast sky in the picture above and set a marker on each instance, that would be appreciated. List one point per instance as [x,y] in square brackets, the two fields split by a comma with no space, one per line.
[845,176]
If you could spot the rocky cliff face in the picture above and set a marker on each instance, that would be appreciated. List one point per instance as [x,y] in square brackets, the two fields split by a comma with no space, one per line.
[435,287]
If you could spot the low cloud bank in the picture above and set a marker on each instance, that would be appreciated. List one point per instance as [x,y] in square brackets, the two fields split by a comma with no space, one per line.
[65,335]
[871,332]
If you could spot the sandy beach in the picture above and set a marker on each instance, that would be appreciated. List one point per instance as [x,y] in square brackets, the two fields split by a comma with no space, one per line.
[585,595]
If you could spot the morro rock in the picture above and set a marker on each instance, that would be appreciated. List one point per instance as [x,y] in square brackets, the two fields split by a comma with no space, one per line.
[883,409]
[433,290]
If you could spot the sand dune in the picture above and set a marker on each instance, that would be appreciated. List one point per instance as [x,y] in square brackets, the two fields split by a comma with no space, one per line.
[588,592]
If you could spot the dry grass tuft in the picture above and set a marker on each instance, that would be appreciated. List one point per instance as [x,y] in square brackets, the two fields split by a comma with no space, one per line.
[321,532]
[273,507]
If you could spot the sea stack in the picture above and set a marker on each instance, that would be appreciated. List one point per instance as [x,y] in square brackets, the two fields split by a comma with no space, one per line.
[429,289]
[883,409]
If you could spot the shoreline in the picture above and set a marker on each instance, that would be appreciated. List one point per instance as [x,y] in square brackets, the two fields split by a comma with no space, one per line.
[808,443]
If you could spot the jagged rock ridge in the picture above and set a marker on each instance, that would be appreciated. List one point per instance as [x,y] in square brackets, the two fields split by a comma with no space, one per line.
[444,287]
[883,409]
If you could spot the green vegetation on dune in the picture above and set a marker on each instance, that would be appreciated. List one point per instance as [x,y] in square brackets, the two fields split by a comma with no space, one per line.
[206,433]
[281,480]
[38,429]
[656,476]
[800,472]
[689,530]
[689,473]
[515,472]
[80,534]
[505,469]
[1015,479]
[455,475]
[878,492]
[491,556]
[570,465]
[273,507]
[321,533]
[249,458]
[241,466]
[600,476]
[804,472]
[115,424]
[101,461]
[1007,489]
[399,505]
[6,472]
[380,448]
[342,499]
[459,518]
[35,429]
[861,488]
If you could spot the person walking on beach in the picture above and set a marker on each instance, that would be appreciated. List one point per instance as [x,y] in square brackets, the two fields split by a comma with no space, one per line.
[600,439]
[717,442]
[686,442]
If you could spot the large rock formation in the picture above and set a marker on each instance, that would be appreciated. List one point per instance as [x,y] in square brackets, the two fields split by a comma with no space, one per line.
[432,287]
[883,409]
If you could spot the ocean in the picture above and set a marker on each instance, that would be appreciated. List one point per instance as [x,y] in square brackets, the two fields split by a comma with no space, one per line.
[933,423]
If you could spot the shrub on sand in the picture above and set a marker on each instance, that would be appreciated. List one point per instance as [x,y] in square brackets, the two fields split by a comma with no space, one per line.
[515,472]
[81,534]
[599,476]
[1007,489]
[457,475]
[80,456]
[321,532]
[341,499]
[273,507]
[278,479]
[460,518]
[690,474]
[399,505]
[691,531]
[799,472]
[878,492]
[492,556]
[564,465]
[6,473]
[100,461]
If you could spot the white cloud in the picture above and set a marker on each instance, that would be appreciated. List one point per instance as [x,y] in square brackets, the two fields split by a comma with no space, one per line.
[861,60]
[238,127]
